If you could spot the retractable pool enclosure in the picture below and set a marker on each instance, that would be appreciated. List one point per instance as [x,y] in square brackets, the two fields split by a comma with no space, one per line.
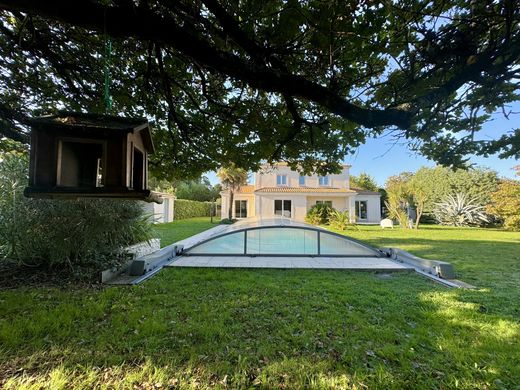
[280,237]
[281,243]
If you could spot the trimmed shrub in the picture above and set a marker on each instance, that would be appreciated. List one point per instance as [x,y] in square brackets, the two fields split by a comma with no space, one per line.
[191,208]
[80,237]
[318,214]
[227,221]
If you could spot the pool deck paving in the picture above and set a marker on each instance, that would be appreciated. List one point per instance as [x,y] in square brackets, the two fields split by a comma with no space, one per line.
[357,263]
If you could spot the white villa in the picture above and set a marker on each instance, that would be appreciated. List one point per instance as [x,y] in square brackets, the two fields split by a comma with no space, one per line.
[280,191]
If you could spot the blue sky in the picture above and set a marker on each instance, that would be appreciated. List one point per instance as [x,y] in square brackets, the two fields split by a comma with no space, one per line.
[382,158]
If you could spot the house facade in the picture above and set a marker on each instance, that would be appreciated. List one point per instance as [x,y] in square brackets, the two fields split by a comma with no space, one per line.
[279,191]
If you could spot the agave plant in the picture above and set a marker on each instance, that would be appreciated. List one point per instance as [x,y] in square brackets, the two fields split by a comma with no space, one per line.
[459,210]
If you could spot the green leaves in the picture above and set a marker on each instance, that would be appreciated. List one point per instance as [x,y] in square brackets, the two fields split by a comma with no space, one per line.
[340,220]
[319,214]
[364,182]
[77,237]
[505,203]
[276,80]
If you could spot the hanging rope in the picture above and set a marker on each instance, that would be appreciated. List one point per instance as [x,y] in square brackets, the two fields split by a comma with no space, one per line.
[108,54]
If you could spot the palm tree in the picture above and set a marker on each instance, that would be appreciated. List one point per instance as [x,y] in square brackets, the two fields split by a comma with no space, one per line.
[232,178]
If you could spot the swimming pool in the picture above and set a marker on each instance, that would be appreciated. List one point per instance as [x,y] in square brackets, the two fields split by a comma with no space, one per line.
[280,237]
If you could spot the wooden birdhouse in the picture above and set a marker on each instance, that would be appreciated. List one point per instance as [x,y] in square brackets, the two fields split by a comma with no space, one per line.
[77,155]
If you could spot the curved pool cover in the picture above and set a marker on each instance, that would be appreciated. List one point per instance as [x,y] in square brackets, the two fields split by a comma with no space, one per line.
[280,237]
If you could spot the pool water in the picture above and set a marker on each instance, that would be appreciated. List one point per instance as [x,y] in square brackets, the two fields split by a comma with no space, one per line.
[282,241]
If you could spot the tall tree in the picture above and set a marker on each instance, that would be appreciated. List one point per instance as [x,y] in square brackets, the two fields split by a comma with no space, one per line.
[363,182]
[399,198]
[505,202]
[439,182]
[200,190]
[428,187]
[232,178]
[305,82]
[419,196]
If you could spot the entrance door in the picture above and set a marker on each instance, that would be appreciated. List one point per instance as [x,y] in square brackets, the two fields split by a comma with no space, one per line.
[361,210]
[283,207]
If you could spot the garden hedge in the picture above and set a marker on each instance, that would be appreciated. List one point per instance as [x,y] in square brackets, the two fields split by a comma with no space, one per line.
[190,209]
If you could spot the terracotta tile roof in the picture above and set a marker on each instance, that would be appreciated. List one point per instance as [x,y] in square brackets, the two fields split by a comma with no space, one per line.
[304,190]
[284,164]
[248,189]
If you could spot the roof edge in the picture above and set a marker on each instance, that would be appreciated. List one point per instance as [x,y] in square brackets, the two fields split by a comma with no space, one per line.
[127,124]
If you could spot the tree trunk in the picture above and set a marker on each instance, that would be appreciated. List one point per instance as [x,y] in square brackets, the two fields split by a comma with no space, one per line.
[230,208]
[419,209]
[418,212]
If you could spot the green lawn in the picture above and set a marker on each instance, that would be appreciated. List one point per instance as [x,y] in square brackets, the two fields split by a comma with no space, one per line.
[197,328]
[184,228]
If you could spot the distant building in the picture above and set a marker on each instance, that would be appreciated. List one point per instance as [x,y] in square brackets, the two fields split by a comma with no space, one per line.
[280,191]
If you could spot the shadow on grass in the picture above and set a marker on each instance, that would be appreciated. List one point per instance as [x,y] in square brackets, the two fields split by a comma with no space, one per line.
[271,328]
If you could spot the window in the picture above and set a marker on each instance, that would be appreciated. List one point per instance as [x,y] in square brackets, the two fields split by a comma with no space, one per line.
[281,180]
[361,209]
[240,208]
[325,202]
[324,180]
[283,208]
[138,170]
[302,180]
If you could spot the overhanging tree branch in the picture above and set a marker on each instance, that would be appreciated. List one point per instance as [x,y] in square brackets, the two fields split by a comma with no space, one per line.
[8,127]
[121,21]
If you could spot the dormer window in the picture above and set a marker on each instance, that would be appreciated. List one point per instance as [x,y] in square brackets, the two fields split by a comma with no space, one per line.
[301,180]
[324,180]
[281,180]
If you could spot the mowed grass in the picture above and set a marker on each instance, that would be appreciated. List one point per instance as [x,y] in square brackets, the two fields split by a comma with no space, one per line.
[200,328]
[179,230]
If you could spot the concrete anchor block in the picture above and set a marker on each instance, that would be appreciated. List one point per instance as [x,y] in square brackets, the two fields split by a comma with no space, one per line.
[137,268]
[136,251]
[445,270]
